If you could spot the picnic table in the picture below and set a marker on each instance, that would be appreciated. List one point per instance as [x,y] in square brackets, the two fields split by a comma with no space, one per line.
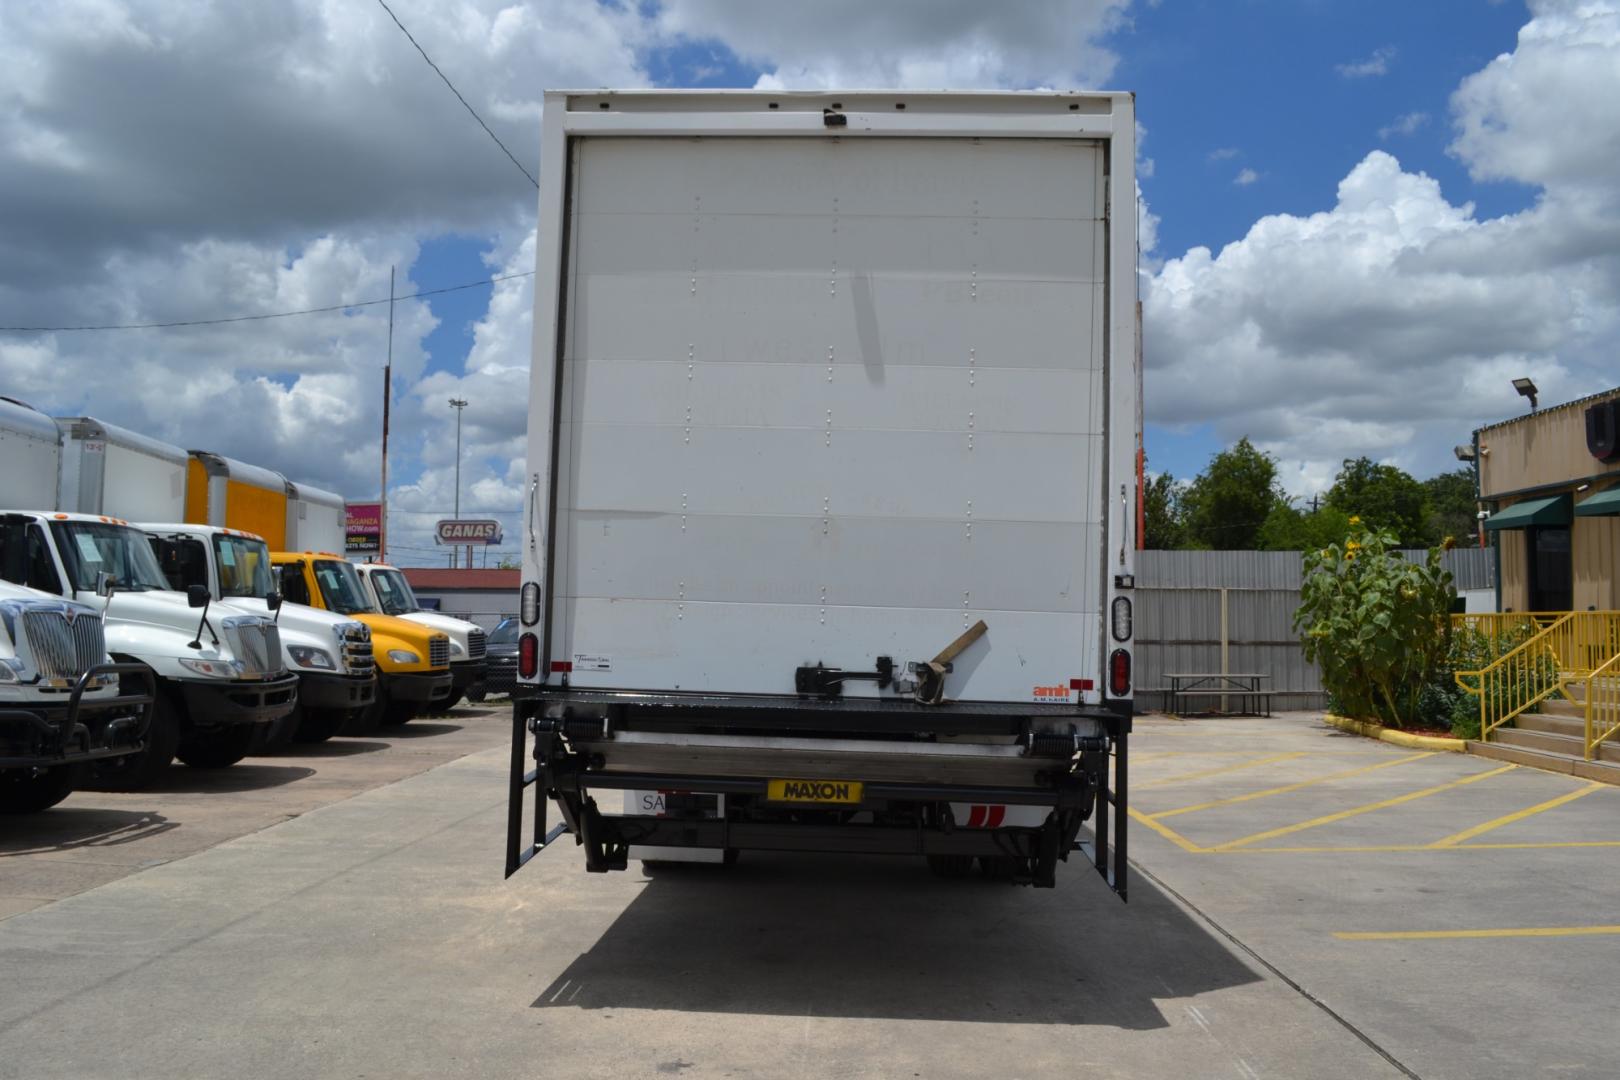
[1186,689]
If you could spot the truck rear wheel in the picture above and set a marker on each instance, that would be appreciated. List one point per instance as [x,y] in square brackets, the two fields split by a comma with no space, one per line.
[132,772]
[23,792]
[217,749]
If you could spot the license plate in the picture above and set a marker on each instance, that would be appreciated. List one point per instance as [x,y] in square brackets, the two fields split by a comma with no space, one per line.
[820,792]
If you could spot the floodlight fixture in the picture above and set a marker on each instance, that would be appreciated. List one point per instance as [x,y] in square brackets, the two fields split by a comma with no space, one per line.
[1465,452]
[1526,388]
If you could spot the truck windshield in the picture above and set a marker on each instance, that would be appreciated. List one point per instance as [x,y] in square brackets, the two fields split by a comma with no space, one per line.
[90,547]
[244,566]
[393,592]
[341,588]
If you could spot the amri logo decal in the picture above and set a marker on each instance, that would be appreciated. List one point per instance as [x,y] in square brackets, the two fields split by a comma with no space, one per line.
[1052,693]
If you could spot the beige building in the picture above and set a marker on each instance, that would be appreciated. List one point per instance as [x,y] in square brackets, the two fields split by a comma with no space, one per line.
[1550,482]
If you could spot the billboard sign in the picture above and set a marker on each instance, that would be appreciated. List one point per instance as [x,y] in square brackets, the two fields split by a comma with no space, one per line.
[466,532]
[363,529]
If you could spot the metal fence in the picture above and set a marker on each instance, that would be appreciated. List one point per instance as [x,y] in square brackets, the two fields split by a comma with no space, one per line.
[1208,612]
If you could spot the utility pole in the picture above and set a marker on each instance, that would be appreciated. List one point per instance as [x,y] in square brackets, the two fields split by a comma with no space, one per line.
[388,379]
[458,404]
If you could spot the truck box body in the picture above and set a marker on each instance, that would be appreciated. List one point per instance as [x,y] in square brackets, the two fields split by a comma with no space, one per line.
[824,380]
[316,520]
[29,449]
[110,470]
[233,494]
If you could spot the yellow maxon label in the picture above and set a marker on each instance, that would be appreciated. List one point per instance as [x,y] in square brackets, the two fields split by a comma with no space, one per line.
[837,792]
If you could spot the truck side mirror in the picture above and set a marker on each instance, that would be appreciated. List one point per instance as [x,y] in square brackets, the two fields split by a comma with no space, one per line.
[104,584]
[272,601]
[197,595]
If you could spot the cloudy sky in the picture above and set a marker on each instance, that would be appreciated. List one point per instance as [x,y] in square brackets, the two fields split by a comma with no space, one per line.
[1361,220]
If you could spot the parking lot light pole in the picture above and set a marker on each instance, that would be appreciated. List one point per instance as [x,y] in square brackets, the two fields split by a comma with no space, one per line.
[458,404]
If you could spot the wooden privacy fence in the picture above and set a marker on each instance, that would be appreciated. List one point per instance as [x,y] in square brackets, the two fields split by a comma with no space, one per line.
[1233,611]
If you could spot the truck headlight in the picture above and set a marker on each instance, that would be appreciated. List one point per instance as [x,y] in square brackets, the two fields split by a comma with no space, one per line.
[455,648]
[214,669]
[9,670]
[403,656]
[307,656]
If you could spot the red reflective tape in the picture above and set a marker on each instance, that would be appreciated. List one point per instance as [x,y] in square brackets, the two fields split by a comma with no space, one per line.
[997,815]
[1081,684]
[975,817]
[562,665]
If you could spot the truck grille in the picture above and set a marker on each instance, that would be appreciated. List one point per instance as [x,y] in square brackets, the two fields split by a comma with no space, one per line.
[357,657]
[64,649]
[475,644]
[256,643]
[439,651]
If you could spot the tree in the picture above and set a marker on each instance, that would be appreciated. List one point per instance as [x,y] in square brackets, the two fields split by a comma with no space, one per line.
[1289,528]
[1379,626]
[1451,506]
[1385,497]
[1164,527]
[1226,506]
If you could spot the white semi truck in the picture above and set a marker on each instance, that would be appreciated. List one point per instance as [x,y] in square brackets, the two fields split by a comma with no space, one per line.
[64,704]
[330,654]
[394,596]
[829,518]
[218,675]
[111,470]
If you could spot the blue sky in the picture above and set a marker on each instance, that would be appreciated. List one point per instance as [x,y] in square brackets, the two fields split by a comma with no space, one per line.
[1294,93]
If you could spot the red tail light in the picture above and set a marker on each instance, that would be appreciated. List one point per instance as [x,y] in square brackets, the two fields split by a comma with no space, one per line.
[528,656]
[1119,673]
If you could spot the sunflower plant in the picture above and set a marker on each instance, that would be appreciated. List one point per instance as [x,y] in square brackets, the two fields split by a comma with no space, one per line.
[1378,626]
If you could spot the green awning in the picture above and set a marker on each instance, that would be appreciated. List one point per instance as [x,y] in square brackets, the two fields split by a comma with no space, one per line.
[1522,515]
[1604,502]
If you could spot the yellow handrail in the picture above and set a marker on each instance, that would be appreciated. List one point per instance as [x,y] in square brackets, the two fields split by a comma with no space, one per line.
[1497,625]
[1602,703]
[1568,650]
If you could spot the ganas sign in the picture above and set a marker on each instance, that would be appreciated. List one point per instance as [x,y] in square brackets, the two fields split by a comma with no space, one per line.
[460,533]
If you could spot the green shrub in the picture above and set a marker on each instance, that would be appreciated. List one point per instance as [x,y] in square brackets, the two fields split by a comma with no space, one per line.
[1378,626]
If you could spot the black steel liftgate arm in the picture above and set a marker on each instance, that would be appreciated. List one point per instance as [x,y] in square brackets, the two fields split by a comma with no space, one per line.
[1112,806]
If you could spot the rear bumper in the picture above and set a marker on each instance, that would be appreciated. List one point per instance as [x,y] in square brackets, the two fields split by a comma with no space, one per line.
[80,730]
[465,673]
[419,685]
[215,703]
[336,691]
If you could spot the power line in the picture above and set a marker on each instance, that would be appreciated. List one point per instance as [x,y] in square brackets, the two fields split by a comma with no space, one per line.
[271,315]
[459,98]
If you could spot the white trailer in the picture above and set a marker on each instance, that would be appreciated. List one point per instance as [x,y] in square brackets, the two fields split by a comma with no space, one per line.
[107,466]
[316,519]
[831,483]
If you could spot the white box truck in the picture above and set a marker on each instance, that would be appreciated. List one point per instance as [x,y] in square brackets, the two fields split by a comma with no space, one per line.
[829,530]
[218,674]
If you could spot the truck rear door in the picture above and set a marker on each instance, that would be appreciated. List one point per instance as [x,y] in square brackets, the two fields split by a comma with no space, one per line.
[826,399]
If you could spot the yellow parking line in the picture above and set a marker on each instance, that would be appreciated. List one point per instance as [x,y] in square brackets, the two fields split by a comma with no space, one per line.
[1527,931]
[1168,833]
[1328,819]
[1293,787]
[1518,815]
[1362,849]
[1222,769]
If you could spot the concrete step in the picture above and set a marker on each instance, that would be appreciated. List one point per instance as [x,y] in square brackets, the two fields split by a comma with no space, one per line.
[1556,723]
[1548,742]
[1606,771]
[1562,707]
